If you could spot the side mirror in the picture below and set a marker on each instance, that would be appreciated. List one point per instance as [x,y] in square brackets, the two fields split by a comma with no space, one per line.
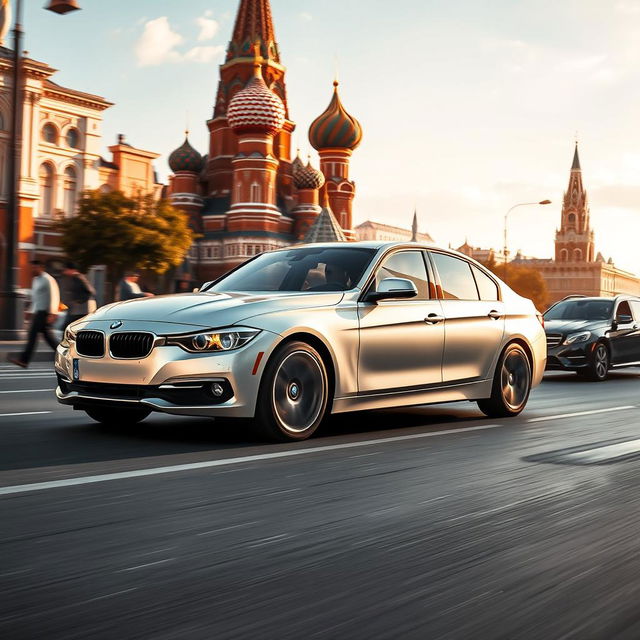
[393,289]
[623,319]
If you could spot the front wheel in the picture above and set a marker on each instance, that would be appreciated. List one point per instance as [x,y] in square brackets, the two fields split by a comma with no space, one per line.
[294,394]
[113,417]
[598,368]
[511,384]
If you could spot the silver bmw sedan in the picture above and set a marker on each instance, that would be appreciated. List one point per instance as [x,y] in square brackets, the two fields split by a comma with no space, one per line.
[294,335]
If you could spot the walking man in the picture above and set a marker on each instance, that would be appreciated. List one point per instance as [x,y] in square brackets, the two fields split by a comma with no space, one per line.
[76,293]
[45,303]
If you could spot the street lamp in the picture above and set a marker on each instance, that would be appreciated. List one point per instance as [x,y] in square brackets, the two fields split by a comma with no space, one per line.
[506,215]
[11,324]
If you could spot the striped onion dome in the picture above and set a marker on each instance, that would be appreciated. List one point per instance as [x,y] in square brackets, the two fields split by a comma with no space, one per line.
[335,128]
[185,158]
[256,109]
[308,178]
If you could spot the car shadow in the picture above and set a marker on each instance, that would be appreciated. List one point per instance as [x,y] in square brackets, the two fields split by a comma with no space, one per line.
[570,377]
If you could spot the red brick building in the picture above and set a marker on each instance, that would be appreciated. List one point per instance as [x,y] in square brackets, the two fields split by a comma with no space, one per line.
[248,195]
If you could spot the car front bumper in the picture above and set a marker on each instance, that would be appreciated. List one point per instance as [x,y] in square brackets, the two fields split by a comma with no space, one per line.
[169,380]
[569,357]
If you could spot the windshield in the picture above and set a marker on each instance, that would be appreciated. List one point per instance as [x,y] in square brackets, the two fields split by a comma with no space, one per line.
[581,310]
[304,269]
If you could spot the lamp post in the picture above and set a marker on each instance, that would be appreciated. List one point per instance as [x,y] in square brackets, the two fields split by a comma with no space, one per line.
[506,216]
[10,310]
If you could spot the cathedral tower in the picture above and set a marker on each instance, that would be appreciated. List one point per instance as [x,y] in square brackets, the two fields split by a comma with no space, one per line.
[335,134]
[574,239]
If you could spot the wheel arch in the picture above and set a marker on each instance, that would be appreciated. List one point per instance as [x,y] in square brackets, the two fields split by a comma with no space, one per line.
[525,346]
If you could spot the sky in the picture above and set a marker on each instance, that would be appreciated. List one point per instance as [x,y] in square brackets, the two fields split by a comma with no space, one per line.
[468,106]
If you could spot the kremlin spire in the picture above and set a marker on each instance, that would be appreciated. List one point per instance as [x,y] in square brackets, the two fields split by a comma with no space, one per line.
[253,23]
[575,166]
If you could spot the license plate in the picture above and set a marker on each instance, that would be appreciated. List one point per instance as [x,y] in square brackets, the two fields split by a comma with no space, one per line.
[76,368]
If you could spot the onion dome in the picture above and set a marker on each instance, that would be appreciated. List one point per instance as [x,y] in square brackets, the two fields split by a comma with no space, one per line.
[308,178]
[256,109]
[335,128]
[185,158]
[297,164]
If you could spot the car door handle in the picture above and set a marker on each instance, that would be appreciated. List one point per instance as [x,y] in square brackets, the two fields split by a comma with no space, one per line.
[496,315]
[433,318]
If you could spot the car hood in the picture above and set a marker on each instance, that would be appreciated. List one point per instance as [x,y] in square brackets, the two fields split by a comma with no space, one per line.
[211,310]
[571,326]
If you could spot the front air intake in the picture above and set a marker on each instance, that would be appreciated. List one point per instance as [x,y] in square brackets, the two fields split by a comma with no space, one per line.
[90,344]
[130,345]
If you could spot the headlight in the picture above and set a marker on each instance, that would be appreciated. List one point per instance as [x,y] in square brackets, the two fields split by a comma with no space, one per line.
[221,340]
[69,337]
[574,338]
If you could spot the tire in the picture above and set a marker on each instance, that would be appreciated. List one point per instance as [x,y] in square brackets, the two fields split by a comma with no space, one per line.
[118,417]
[599,362]
[511,384]
[294,394]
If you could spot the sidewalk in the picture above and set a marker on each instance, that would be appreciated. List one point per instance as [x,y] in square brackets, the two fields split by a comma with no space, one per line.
[11,349]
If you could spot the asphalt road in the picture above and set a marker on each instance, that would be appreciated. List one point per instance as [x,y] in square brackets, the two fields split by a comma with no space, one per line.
[433,522]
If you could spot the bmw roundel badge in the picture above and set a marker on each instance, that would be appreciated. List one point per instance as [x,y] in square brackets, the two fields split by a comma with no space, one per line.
[115,325]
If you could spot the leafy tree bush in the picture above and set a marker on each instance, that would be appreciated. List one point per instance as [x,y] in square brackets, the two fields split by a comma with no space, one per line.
[526,281]
[125,234]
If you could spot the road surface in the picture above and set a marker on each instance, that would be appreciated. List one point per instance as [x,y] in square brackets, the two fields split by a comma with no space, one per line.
[431,522]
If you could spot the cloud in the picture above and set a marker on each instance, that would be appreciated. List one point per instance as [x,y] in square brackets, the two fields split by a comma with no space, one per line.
[157,42]
[305,16]
[208,27]
[203,54]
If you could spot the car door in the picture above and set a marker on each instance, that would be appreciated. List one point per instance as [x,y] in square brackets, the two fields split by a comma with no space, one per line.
[474,318]
[625,337]
[401,341]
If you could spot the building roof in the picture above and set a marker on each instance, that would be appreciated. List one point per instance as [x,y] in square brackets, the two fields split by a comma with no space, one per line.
[325,228]
[54,87]
[379,226]
[253,25]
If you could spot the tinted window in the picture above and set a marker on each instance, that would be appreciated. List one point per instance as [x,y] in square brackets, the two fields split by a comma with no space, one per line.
[456,278]
[486,286]
[623,310]
[409,265]
[581,310]
[304,269]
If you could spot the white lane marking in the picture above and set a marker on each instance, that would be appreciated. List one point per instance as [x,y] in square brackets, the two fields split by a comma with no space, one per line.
[138,473]
[148,564]
[27,390]
[580,413]
[26,376]
[23,413]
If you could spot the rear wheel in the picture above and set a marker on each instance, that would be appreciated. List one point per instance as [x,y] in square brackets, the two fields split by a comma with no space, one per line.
[117,416]
[294,394]
[598,368]
[511,384]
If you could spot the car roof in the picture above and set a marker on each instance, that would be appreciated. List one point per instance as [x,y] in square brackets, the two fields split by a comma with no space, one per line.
[378,245]
[622,296]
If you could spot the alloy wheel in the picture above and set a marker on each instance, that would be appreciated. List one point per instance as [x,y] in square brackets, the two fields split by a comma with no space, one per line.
[299,390]
[515,379]
[601,361]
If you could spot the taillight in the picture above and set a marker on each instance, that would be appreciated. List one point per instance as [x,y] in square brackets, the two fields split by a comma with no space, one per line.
[540,319]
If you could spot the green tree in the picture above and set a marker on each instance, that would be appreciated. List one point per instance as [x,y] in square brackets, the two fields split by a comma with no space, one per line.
[526,281]
[125,234]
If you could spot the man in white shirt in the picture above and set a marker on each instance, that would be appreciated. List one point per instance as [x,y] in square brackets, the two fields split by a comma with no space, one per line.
[45,304]
[130,289]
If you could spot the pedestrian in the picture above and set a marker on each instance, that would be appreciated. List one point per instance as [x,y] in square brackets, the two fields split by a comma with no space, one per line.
[130,289]
[76,293]
[45,304]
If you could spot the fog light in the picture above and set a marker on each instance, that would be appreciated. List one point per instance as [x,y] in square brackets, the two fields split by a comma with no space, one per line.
[216,389]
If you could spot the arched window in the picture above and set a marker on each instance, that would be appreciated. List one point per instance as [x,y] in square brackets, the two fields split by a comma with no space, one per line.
[256,195]
[577,255]
[50,133]
[46,178]
[73,138]
[564,255]
[571,220]
[70,191]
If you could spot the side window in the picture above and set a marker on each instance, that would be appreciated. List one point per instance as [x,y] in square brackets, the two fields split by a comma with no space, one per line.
[409,265]
[623,310]
[486,286]
[635,305]
[456,277]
